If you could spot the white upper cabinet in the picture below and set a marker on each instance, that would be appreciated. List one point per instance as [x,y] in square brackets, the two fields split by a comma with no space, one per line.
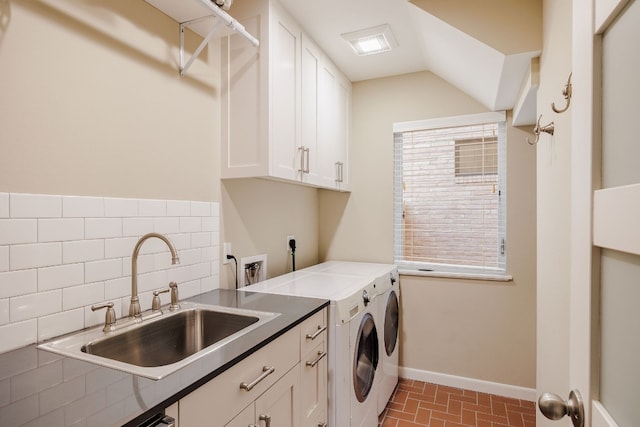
[285,106]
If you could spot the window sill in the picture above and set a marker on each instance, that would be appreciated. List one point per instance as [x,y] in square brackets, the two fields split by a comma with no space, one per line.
[452,275]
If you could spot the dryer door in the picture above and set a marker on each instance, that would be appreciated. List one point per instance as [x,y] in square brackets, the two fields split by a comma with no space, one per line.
[365,359]
[391,323]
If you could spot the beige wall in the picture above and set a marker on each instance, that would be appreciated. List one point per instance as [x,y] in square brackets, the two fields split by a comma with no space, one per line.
[475,329]
[82,113]
[259,214]
[554,193]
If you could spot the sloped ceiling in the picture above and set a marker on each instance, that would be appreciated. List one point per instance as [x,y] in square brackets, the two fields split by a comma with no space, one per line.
[483,48]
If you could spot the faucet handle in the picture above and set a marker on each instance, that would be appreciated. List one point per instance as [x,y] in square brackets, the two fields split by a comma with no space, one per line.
[109,318]
[156,303]
[173,286]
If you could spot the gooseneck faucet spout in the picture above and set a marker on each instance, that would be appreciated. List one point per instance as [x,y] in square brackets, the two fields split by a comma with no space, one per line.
[134,306]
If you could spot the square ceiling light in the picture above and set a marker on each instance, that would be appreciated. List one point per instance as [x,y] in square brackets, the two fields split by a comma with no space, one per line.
[371,40]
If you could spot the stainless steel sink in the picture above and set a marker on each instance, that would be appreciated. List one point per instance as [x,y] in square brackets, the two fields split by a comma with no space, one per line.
[156,347]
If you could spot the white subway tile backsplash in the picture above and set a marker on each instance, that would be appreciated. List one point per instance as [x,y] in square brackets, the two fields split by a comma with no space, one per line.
[4,311]
[151,281]
[200,209]
[4,205]
[147,208]
[119,247]
[60,230]
[61,254]
[60,276]
[82,295]
[120,207]
[137,226]
[117,288]
[199,271]
[4,258]
[168,225]
[82,207]
[60,323]
[16,335]
[179,274]
[200,240]
[34,255]
[210,253]
[190,224]
[95,271]
[17,231]
[178,208]
[101,228]
[34,206]
[209,224]
[14,283]
[32,306]
[180,241]
[82,250]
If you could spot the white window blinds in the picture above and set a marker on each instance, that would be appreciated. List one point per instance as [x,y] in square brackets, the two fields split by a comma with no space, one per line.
[449,198]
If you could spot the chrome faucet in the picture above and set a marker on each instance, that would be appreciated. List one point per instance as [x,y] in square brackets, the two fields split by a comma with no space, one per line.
[134,306]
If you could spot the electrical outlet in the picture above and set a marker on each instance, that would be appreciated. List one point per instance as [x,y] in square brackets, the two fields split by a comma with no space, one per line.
[226,251]
[289,237]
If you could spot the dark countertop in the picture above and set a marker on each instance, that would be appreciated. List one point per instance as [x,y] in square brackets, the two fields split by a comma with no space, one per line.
[40,388]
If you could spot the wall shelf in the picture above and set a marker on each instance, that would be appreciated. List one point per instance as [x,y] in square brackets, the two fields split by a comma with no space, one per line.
[204,18]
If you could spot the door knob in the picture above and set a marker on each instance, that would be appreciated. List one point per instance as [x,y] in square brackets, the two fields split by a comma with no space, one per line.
[554,407]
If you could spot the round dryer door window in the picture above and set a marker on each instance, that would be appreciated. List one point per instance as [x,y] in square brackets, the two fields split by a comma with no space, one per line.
[365,358]
[391,324]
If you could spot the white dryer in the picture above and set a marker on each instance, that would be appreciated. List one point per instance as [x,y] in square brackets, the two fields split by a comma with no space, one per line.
[353,360]
[388,336]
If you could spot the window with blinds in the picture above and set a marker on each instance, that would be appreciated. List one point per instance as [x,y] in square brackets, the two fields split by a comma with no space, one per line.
[449,212]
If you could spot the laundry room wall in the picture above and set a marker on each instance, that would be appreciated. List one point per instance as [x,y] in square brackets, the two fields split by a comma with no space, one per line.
[465,328]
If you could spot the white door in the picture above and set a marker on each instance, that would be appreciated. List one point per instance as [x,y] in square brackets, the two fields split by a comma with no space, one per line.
[605,216]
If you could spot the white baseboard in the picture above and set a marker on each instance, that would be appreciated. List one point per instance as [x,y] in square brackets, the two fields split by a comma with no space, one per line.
[499,389]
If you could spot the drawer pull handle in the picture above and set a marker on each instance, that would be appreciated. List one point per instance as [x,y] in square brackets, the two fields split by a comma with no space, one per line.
[266,371]
[266,418]
[320,330]
[321,355]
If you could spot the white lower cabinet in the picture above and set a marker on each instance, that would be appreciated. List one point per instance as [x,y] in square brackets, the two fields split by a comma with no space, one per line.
[272,387]
[278,406]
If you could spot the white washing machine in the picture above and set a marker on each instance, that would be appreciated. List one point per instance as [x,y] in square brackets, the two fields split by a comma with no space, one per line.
[388,336]
[354,352]
[387,292]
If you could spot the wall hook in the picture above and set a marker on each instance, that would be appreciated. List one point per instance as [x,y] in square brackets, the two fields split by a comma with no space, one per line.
[538,129]
[566,92]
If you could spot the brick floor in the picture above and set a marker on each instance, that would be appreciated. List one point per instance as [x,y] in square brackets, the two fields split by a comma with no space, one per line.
[415,403]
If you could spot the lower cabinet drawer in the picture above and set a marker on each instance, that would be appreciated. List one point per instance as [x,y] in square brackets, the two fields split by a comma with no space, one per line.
[225,396]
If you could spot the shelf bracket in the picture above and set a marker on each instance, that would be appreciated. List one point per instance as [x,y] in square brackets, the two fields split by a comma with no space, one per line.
[184,67]
[221,17]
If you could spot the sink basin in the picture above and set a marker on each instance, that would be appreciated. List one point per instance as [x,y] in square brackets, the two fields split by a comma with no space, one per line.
[161,345]
[170,339]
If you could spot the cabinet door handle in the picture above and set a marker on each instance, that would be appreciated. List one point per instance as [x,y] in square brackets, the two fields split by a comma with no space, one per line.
[320,330]
[321,355]
[266,418]
[339,171]
[306,151]
[301,151]
[266,371]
